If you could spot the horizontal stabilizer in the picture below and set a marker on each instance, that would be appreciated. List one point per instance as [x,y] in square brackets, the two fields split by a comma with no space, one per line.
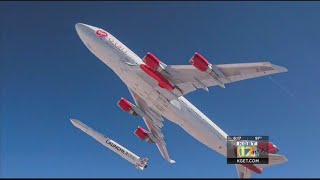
[274,159]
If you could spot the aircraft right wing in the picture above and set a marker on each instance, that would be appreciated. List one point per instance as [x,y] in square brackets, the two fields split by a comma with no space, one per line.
[154,123]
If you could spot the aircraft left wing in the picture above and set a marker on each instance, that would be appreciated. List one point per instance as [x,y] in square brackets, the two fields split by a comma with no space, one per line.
[154,122]
[188,78]
[183,79]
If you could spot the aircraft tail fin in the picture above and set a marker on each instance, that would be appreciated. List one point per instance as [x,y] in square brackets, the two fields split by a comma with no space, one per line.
[274,159]
[243,172]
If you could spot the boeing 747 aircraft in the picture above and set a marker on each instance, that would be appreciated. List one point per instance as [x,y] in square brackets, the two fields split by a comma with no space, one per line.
[158,90]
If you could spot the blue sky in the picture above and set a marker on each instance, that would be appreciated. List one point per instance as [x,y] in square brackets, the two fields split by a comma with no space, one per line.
[49,76]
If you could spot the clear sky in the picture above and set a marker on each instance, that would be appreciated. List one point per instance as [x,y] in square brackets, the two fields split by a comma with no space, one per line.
[48,76]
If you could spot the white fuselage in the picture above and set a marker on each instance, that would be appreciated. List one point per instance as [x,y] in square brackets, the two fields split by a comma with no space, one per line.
[180,111]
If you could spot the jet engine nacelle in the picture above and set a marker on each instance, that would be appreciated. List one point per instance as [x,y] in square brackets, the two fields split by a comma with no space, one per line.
[156,69]
[200,62]
[268,147]
[153,62]
[142,134]
[126,106]
[203,65]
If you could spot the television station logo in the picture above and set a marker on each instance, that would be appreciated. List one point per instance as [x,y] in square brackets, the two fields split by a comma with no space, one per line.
[247,149]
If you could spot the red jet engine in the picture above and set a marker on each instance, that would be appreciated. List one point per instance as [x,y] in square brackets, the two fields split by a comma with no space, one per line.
[153,62]
[200,62]
[126,106]
[142,134]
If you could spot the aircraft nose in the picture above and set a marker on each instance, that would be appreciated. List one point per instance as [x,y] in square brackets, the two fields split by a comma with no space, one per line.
[81,27]
[84,30]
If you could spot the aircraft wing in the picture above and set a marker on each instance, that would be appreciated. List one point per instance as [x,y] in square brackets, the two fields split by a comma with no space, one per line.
[154,122]
[188,78]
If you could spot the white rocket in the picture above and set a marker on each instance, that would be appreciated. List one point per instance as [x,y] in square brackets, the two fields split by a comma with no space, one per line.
[140,163]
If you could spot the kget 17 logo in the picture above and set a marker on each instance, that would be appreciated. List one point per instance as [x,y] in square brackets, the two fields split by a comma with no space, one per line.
[247,149]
